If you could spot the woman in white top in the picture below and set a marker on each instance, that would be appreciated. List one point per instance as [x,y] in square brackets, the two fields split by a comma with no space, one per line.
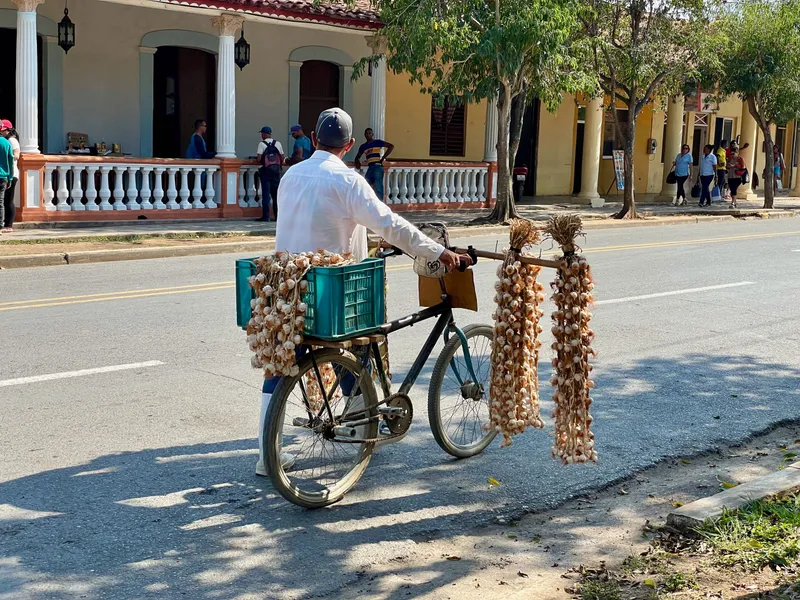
[7,130]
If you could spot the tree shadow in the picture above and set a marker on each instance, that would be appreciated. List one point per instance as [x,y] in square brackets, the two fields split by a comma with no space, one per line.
[193,520]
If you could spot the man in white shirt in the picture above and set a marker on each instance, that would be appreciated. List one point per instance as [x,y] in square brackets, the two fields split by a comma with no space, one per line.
[269,155]
[325,204]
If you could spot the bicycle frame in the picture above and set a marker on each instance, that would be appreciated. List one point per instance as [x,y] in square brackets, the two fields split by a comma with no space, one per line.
[444,325]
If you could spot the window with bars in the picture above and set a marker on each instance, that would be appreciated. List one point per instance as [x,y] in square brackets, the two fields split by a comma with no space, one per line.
[448,124]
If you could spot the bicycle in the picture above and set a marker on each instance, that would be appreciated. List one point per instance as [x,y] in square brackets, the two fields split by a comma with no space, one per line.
[343,427]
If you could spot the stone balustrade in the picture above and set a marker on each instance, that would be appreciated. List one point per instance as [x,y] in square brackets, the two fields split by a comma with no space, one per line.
[87,188]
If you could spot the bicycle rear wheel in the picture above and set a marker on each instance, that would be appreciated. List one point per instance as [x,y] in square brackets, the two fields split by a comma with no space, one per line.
[458,408]
[320,465]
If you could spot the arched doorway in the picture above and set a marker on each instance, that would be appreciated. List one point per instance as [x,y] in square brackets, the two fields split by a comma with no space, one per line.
[184,90]
[319,90]
[8,99]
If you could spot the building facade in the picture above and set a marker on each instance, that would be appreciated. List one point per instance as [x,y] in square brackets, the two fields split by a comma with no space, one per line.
[142,71]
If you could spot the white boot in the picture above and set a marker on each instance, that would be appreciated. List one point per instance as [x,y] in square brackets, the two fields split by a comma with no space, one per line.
[287,460]
[674,202]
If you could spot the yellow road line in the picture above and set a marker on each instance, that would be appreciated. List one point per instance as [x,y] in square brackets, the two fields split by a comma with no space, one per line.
[124,292]
[223,285]
[732,238]
[87,300]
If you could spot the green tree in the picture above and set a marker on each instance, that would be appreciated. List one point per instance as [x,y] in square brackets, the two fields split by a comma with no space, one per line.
[761,64]
[473,49]
[643,50]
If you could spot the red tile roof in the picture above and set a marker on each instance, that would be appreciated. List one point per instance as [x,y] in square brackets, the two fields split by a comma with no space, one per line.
[360,14]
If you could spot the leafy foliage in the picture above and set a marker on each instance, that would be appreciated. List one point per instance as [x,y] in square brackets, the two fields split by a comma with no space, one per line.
[762,58]
[761,63]
[647,49]
[473,49]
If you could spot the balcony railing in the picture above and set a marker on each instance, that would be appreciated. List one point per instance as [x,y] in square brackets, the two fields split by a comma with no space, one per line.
[85,188]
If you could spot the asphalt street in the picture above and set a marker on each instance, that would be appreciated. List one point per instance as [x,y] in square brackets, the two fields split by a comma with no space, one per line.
[128,415]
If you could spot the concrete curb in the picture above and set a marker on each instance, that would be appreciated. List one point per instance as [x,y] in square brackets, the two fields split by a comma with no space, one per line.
[267,242]
[93,256]
[780,483]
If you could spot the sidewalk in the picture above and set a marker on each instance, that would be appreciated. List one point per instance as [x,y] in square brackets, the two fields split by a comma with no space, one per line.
[35,244]
[453,218]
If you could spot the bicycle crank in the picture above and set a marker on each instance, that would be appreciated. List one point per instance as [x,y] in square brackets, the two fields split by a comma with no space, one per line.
[397,412]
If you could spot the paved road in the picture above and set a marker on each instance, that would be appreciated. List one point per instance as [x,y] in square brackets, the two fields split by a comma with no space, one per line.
[139,483]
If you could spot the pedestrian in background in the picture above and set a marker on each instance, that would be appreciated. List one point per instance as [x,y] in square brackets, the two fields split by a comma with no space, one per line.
[197,143]
[708,170]
[7,222]
[6,173]
[302,146]
[270,158]
[372,150]
[736,170]
[779,167]
[683,171]
[722,167]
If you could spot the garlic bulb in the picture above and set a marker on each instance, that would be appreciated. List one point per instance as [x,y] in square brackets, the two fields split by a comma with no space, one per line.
[572,293]
[275,330]
[514,387]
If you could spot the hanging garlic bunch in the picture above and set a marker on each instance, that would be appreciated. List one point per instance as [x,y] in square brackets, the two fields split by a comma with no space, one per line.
[276,327]
[572,293]
[313,391]
[514,388]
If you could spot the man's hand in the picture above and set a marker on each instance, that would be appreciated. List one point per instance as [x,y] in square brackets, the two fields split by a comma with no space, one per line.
[452,261]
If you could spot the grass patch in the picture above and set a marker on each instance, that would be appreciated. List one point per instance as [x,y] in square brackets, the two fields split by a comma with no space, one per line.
[765,533]
[600,590]
[677,582]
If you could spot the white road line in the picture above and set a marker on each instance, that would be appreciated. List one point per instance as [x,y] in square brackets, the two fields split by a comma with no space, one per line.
[675,293]
[81,373]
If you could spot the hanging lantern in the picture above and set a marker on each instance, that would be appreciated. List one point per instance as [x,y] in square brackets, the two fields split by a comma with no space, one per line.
[66,31]
[241,52]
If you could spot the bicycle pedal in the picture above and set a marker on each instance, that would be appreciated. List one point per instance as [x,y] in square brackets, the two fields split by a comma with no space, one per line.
[300,422]
[391,411]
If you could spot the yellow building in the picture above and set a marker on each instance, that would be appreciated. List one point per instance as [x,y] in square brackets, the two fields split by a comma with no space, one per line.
[105,115]
[570,151]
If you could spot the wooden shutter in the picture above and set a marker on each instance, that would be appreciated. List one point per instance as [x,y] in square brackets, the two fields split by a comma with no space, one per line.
[448,124]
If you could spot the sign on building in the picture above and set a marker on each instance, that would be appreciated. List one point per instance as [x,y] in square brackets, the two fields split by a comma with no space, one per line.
[619,168]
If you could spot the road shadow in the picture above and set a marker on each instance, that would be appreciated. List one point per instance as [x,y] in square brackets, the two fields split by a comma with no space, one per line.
[193,521]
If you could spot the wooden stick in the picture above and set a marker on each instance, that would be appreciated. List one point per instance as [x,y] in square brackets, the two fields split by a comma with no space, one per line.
[526,260]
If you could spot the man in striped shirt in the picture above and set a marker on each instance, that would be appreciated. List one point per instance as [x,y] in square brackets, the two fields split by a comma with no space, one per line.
[372,149]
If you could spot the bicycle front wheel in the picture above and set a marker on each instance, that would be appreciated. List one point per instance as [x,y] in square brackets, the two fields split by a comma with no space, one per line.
[458,407]
[310,462]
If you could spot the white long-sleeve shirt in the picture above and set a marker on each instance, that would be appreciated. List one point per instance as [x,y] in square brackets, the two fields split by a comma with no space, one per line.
[323,204]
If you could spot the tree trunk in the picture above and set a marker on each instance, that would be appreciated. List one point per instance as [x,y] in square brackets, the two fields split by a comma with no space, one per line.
[629,193]
[769,167]
[515,134]
[769,175]
[505,208]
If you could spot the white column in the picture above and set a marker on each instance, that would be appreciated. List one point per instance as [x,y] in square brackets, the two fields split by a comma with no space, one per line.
[490,142]
[748,136]
[227,25]
[672,144]
[27,119]
[592,149]
[377,104]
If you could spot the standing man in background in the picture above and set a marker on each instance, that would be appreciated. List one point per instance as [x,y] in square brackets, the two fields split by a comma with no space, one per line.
[302,146]
[197,143]
[373,150]
[270,158]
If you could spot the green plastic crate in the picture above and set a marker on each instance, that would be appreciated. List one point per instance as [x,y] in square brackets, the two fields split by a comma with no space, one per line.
[342,301]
